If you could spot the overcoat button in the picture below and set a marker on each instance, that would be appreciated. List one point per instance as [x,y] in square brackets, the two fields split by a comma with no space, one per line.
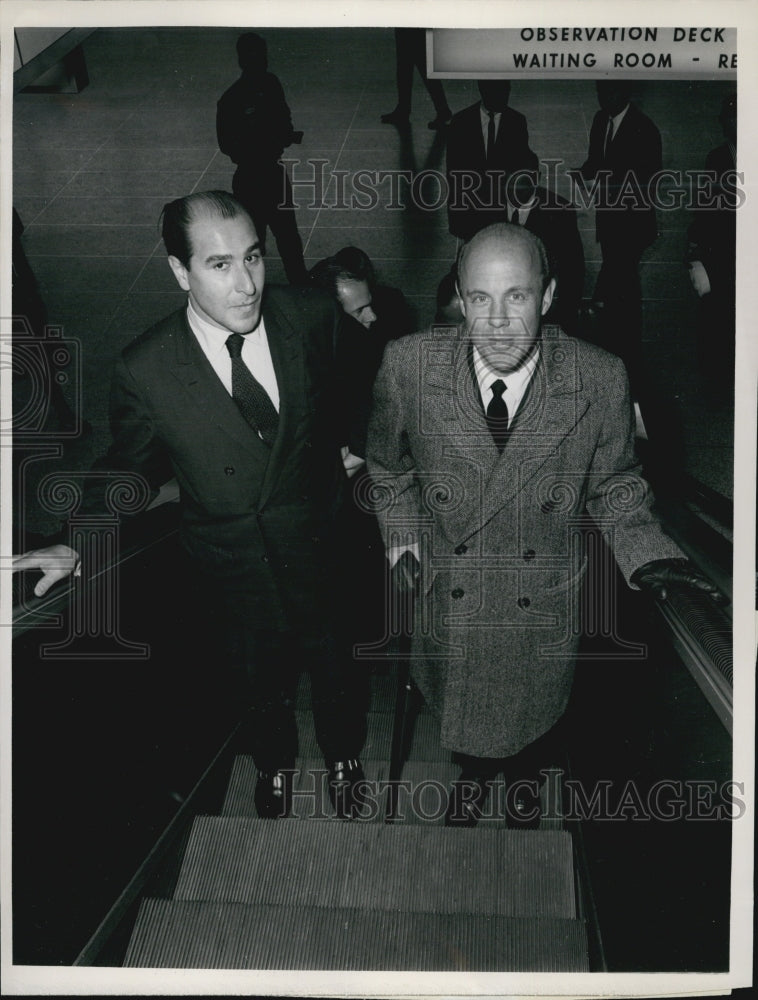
[457,593]
[264,559]
[461,549]
[229,470]
[524,602]
[529,554]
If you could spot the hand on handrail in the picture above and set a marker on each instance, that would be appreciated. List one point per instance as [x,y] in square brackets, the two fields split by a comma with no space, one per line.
[55,562]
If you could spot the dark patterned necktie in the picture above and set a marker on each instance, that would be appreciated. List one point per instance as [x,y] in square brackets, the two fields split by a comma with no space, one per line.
[491,136]
[249,395]
[497,415]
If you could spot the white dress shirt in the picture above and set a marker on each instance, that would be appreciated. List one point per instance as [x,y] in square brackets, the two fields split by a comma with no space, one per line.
[516,382]
[616,120]
[255,353]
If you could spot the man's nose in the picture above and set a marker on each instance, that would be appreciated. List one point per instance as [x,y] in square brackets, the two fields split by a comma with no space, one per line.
[245,281]
[498,317]
[369,316]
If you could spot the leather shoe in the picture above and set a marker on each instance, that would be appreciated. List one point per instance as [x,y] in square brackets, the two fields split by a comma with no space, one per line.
[467,797]
[341,781]
[441,121]
[273,794]
[523,806]
[395,118]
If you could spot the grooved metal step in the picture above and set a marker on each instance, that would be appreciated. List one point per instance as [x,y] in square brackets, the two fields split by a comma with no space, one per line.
[204,935]
[376,866]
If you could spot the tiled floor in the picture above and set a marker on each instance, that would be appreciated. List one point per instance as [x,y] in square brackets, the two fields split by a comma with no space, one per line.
[92,172]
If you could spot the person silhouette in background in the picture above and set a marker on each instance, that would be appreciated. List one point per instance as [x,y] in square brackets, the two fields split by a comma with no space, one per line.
[253,126]
[487,143]
[711,257]
[410,51]
[553,220]
[379,314]
[624,154]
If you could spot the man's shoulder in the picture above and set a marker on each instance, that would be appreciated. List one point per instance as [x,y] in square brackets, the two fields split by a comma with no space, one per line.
[593,362]
[299,303]
[463,118]
[156,338]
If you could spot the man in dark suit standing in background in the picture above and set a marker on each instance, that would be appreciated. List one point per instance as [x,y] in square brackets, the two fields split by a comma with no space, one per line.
[711,258]
[233,396]
[253,126]
[553,220]
[486,144]
[624,154]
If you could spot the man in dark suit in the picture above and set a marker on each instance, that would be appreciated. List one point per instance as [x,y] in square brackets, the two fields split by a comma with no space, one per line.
[486,144]
[491,443]
[553,220]
[253,126]
[711,256]
[624,154]
[232,395]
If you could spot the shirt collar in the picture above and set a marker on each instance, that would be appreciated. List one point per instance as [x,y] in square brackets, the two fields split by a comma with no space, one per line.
[515,381]
[212,338]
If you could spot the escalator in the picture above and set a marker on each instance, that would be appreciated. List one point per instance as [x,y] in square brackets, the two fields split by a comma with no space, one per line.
[215,887]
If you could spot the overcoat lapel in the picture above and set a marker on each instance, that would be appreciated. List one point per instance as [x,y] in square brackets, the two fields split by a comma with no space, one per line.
[549,412]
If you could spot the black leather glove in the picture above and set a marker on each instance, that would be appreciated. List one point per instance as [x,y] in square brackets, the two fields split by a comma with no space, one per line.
[406,574]
[657,576]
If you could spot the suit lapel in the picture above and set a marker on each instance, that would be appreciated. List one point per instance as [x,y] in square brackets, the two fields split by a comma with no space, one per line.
[195,373]
[286,349]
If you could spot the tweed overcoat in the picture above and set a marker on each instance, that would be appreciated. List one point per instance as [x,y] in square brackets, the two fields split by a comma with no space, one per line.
[500,535]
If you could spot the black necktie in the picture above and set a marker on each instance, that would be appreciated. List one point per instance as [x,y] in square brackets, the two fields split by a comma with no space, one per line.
[491,135]
[249,395]
[608,138]
[497,414]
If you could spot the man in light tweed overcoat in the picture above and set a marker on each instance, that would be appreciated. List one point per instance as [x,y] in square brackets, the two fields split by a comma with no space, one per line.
[490,446]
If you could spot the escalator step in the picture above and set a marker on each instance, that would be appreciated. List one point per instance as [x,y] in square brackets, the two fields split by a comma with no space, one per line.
[181,934]
[379,866]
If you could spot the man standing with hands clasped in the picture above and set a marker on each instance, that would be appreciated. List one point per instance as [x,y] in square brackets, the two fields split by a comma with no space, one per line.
[232,395]
[490,443]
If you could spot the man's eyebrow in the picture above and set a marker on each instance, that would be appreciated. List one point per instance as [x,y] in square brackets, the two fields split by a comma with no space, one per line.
[216,257]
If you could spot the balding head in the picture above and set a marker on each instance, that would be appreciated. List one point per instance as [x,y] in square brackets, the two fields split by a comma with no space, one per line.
[505,288]
[503,240]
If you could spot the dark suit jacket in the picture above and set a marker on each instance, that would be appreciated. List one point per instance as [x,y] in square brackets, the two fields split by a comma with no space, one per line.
[553,220]
[466,157]
[259,517]
[712,234]
[636,147]
[253,120]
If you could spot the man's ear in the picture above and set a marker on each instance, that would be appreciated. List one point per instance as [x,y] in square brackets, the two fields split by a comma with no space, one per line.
[547,296]
[180,272]
[461,303]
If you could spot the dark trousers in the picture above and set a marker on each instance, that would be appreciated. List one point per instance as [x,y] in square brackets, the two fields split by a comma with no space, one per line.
[266,192]
[522,766]
[619,288]
[263,666]
[410,52]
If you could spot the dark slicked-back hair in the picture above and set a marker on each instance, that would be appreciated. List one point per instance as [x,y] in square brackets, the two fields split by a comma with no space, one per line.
[348,264]
[178,215]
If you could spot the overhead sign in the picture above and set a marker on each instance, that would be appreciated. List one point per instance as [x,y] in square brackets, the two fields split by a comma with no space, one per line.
[583,53]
